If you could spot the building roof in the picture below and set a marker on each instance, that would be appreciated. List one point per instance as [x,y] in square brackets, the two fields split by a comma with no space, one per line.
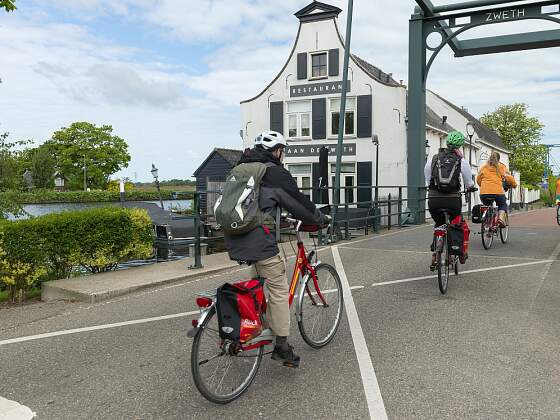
[317,11]
[436,121]
[231,156]
[483,132]
[375,72]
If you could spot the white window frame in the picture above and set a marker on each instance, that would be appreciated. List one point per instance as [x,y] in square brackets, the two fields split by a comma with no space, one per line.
[343,175]
[330,134]
[300,176]
[311,55]
[298,115]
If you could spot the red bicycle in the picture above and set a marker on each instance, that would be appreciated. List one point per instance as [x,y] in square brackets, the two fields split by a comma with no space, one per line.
[491,227]
[222,369]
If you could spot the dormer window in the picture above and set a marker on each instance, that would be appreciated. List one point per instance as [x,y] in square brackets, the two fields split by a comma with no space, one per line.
[319,65]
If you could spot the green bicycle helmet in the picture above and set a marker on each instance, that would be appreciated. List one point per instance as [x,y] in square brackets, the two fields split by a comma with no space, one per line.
[455,139]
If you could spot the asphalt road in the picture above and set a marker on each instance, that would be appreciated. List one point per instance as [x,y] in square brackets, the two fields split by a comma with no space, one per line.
[490,348]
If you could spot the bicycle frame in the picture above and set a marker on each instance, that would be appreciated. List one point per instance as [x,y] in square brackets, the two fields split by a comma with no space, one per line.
[302,270]
[493,214]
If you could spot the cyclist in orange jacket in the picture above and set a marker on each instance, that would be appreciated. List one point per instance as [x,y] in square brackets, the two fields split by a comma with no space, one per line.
[491,179]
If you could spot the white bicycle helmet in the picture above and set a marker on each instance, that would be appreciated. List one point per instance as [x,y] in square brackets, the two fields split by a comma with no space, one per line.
[270,140]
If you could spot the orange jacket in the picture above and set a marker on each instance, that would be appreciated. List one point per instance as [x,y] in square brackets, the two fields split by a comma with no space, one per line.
[490,182]
[558,186]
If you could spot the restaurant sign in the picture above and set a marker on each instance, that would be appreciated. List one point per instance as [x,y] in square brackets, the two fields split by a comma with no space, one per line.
[307,150]
[312,89]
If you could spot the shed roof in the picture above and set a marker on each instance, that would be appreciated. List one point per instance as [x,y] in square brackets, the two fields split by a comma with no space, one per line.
[231,156]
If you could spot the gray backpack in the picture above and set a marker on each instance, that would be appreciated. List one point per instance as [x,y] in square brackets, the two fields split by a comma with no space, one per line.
[237,209]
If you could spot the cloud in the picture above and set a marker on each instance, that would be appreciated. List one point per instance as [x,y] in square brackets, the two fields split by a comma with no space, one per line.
[57,71]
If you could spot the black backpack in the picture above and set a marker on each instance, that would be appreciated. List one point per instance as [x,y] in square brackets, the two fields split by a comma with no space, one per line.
[446,172]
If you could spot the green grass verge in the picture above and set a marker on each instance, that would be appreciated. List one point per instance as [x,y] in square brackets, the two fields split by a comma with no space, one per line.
[31,294]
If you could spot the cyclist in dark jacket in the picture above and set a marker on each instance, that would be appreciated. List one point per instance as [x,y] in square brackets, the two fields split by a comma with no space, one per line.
[259,247]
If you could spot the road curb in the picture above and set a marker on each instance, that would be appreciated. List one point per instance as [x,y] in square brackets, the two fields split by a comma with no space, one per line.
[59,290]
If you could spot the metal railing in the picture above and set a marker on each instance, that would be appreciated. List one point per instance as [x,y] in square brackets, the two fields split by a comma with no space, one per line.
[391,203]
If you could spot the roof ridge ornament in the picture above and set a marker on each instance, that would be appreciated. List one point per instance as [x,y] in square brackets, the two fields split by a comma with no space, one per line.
[316,11]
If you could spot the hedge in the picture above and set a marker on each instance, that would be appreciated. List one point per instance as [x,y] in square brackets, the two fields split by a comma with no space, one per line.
[48,196]
[59,245]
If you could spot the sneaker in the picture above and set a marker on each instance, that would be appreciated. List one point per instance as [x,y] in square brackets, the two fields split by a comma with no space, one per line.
[286,355]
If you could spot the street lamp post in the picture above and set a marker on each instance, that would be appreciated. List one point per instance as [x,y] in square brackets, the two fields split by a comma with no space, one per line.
[427,149]
[470,133]
[154,172]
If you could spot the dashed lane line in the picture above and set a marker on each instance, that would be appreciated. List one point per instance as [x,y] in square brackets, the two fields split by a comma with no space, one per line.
[478,270]
[12,410]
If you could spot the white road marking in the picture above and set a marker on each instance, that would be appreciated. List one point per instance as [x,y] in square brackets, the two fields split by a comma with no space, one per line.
[406,251]
[478,270]
[95,328]
[369,379]
[12,410]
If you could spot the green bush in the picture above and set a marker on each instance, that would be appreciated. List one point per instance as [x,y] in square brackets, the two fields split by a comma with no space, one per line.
[47,196]
[56,245]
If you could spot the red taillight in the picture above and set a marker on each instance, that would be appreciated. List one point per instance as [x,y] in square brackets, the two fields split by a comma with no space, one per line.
[203,302]
[194,323]
[440,233]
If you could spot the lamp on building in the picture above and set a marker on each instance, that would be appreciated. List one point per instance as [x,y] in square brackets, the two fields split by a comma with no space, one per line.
[154,172]
[246,133]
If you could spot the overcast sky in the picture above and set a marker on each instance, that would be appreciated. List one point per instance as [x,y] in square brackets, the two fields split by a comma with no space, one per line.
[168,75]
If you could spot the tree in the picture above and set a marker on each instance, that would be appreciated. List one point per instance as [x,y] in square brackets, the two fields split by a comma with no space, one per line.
[85,144]
[8,5]
[521,134]
[10,163]
[43,167]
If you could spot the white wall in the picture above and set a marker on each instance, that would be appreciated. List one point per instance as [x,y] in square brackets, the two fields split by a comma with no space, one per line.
[320,36]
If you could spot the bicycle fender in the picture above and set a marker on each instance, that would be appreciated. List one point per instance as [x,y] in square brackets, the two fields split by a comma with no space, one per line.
[299,301]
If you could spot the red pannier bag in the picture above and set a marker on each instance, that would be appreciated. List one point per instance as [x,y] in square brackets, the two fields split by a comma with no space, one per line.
[239,307]
[458,238]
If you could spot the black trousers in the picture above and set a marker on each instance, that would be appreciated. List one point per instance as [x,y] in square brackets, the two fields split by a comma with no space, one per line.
[436,205]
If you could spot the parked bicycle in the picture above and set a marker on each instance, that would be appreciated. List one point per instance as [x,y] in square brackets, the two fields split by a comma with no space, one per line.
[491,227]
[222,369]
[558,213]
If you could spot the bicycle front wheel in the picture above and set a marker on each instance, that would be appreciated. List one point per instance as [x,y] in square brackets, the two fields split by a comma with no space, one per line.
[220,369]
[486,232]
[443,267]
[321,306]
[504,231]
[558,214]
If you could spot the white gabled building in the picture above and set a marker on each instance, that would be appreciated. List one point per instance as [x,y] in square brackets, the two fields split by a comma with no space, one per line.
[303,102]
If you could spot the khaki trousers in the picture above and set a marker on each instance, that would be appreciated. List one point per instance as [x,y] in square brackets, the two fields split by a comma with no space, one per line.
[278,309]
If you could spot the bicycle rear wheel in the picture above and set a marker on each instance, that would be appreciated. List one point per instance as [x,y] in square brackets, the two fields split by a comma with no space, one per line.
[456,265]
[443,267]
[558,214]
[504,231]
[486,232]
[318,321]
[221,371]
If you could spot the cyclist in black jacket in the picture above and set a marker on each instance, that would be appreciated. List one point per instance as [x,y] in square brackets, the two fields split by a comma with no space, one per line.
[259,247]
